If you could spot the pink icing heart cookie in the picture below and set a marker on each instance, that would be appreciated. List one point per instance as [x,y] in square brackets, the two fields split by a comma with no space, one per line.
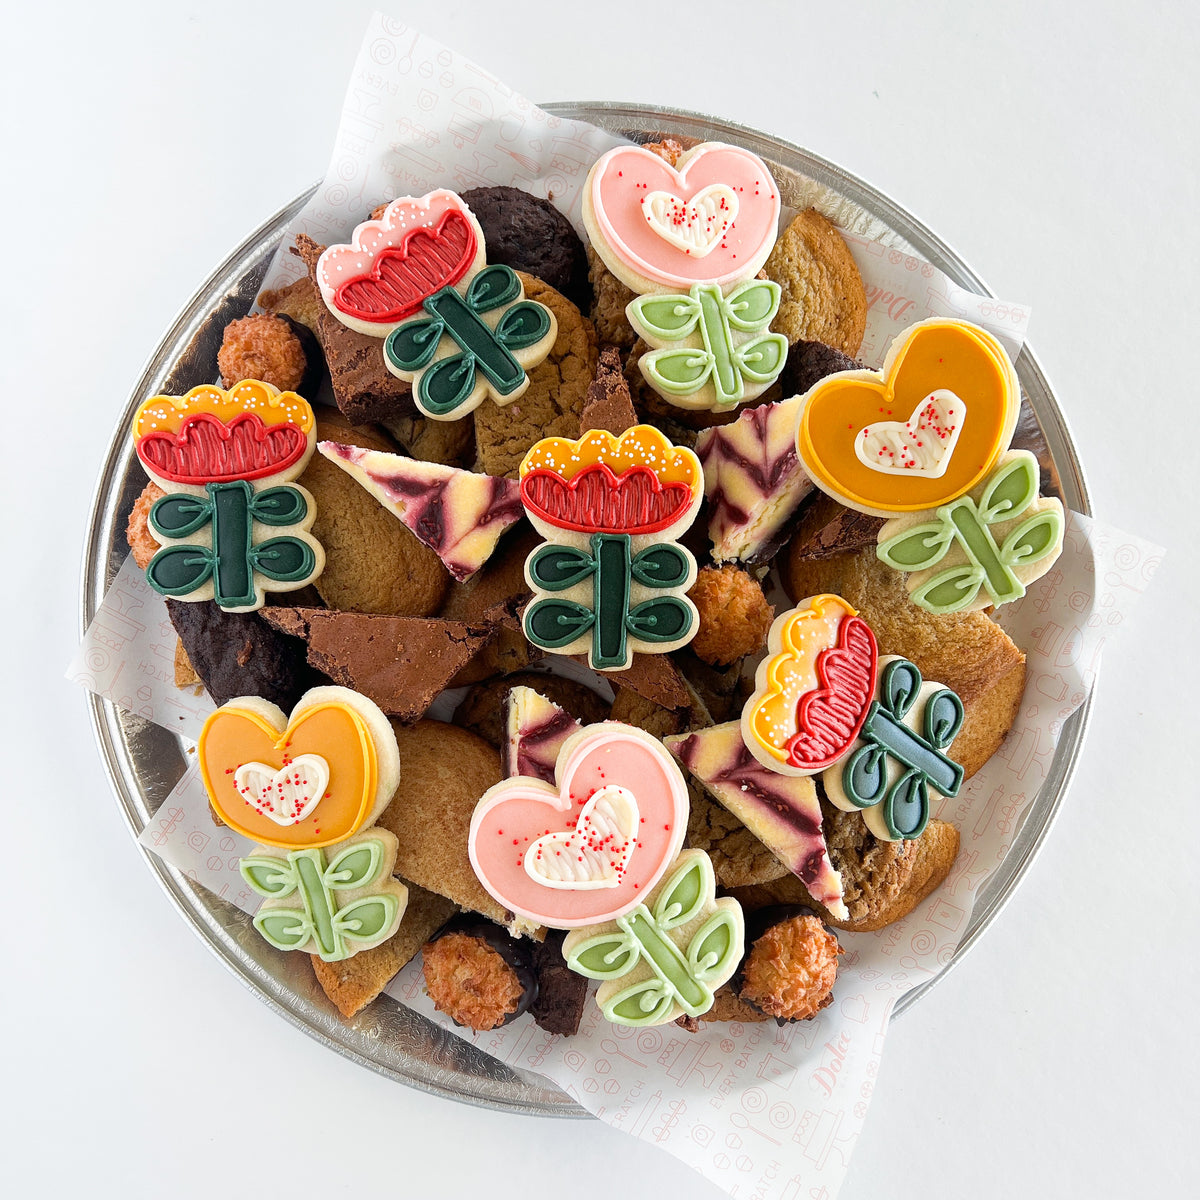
[592,847]
[711,219]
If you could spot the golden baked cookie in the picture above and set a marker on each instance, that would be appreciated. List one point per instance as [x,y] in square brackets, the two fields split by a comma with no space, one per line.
[372,563]
[448,442]
[967,652]
[738,857]
[610,297]
[300,300]
[881,881]
[354,982]
[551,405]
[445,770]
[823,296]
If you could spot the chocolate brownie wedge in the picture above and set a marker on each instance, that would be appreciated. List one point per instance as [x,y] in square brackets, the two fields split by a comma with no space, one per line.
[401,663]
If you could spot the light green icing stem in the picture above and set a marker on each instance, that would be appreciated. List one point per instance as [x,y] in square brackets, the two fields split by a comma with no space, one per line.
[309,866]
[718,340]
[668,963]
[979,547]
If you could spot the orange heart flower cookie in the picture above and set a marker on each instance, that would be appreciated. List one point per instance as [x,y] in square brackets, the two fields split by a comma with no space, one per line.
[306,781]
[921,432]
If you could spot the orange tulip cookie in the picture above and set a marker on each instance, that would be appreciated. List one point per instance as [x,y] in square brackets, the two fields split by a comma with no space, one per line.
[306,781]
[921,432]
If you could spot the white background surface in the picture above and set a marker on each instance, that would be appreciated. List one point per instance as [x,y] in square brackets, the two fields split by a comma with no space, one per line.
[1053,145]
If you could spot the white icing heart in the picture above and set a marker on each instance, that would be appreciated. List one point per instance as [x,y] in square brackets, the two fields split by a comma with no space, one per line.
[922,445]
[285,796]
[596,852]
[696,225]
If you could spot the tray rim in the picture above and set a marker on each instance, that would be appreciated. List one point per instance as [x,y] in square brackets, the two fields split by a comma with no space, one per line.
[98,569]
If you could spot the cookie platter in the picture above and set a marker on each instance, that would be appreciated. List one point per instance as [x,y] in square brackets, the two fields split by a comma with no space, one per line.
[144,761]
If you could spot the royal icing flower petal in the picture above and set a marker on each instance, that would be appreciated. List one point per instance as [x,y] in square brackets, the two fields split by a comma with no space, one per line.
[618,812]
[224,459]
[308,781]
[813,689]
[612,582]
[419,245]
[921,432]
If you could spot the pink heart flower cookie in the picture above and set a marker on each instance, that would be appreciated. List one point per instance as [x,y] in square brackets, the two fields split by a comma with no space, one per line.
[711,219]
[592,847]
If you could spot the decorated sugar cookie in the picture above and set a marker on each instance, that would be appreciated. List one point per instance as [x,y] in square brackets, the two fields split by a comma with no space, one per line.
[813,689]
[332,903]
[710,350]
[924,430]
[457,330]
[711,219]
[898,761]
[304,781]
[612,581]
[667,956]
[983,548]
[590,846]
[225,459]
[392,265]
[691,238]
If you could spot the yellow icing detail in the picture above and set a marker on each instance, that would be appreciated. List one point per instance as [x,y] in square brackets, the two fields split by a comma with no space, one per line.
[791,670]
[643,446]
[933,355]
[250,395]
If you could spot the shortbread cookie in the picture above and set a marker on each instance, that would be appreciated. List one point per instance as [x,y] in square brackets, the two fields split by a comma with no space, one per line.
[446,770]
[529,234]
[551,405]
[354,982]
[823,295]
[372,563]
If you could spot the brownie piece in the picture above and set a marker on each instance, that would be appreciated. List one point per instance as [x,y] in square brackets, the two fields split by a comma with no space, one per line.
[561,993]
[827,529]
[608,404]
[401,663]
[365,390]
[808,362]
[529,234]
[239,654]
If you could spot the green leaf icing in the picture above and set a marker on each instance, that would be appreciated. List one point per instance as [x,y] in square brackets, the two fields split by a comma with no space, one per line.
[686,943]
[360,866]
[985,544]
[444,386]
[699,341]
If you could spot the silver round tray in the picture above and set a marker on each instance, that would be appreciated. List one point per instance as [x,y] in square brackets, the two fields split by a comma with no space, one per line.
[144,761]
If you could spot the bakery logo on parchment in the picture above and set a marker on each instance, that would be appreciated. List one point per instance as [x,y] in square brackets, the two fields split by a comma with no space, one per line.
[833,1058]
[896,307]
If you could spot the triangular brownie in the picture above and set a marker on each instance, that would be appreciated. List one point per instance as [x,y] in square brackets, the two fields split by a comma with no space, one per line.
[782,811]
[458,514]
[401,663]
[608,404]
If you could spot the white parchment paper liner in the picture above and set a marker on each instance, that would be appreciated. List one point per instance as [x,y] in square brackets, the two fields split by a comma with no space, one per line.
[760,1110]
